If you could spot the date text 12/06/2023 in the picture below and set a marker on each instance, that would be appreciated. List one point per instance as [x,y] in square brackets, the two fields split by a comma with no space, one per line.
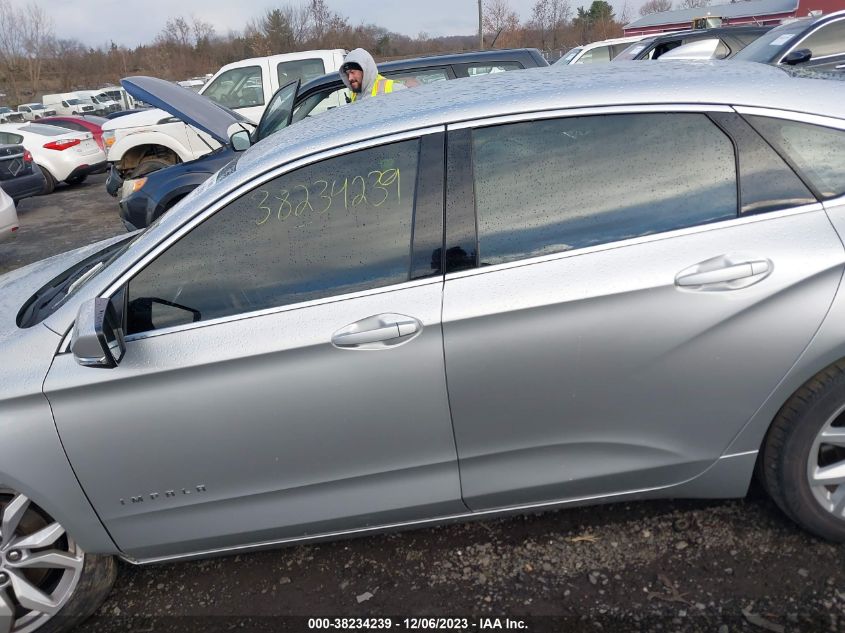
[304,202]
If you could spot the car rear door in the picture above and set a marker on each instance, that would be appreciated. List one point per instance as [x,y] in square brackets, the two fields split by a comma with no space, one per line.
[629,299]
[284,370]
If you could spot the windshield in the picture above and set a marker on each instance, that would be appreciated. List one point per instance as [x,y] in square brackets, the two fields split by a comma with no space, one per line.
[566,59]
[4,109]
[633,50]
[36,106]
[769,46]
[52,296]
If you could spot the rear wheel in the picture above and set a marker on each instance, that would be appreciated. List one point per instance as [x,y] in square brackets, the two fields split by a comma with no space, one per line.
[803,459]
[50,182]
[48,583]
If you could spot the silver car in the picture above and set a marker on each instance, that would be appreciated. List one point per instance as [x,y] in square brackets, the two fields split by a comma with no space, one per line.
[514,292]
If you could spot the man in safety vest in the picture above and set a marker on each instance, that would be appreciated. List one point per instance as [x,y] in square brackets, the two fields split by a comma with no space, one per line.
[360,74]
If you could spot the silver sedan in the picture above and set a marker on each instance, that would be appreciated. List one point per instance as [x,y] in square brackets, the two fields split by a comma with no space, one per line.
[506,293]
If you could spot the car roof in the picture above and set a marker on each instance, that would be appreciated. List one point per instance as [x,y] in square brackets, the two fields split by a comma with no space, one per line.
[549,88]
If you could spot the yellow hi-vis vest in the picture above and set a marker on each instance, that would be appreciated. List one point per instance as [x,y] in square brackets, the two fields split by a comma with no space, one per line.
[381,86]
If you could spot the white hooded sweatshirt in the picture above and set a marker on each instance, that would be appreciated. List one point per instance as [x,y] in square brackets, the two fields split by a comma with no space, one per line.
[370,70]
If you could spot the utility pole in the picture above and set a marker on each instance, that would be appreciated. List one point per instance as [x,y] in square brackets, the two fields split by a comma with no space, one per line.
[480,30]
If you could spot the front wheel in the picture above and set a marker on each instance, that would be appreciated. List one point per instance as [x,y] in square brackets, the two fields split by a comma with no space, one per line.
[48,584]
[803,457]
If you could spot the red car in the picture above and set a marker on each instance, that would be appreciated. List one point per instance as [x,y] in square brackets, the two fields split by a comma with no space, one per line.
[87,123]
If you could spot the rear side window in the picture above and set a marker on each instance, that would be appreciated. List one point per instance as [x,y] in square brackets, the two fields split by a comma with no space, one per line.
[304,69]
[486,69]
[818,152]
[549,186]
[238,88]
[338,226]
[9,138]
[414,78]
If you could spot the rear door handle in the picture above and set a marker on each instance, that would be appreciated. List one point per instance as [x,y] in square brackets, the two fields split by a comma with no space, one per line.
[723,274]
[377,332]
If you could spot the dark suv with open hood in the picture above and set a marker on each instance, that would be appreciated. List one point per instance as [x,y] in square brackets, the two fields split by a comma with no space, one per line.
[146,198]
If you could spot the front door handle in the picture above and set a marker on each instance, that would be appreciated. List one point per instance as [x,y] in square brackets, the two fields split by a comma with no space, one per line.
[377,332]
[723,273]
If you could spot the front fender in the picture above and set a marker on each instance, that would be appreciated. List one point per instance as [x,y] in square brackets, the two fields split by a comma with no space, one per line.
[32,459]
[173,138]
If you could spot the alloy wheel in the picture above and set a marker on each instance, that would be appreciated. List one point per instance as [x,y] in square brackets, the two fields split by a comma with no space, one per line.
[826,465]
[40,565]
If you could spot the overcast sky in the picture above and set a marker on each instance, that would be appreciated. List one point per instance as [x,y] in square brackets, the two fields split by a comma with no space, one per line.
[130,23]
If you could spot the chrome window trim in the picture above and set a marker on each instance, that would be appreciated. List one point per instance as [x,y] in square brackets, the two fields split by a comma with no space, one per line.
[64,347]
[817,28]
[589,111]
[643,239]
[285,308]
[789,115]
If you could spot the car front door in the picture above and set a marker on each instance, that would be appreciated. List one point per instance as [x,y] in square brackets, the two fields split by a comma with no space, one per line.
[283,373]
[628,302]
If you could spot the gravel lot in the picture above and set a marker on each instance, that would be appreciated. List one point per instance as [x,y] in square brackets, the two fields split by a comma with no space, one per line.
[673,566]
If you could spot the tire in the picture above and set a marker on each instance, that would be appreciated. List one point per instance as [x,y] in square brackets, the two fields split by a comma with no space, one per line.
[804,443]
[78,588]
[50,182]
[76,180]
[149,165]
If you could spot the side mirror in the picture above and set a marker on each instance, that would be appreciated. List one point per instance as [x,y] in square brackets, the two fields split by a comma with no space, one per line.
[798,57]
[97,339]
[240,141]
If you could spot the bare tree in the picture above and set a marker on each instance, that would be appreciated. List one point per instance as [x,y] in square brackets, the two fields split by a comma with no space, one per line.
[693,4]
[499,18]
[655,6]
[548,17]
[37,34]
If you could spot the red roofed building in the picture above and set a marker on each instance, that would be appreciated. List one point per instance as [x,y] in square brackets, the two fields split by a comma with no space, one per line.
[761,12]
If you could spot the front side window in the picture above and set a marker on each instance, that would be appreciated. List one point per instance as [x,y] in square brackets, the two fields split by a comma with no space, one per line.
[238,88]
[338,226]
[548,186]
[304,69]
[818,152]
[826,41]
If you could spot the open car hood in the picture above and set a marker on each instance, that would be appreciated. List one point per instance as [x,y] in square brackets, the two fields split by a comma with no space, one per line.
[187,105]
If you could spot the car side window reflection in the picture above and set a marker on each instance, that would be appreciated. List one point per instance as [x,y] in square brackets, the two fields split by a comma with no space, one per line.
[549,186]
[339,226]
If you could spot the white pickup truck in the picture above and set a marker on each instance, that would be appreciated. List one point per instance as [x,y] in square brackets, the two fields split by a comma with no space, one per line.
[149,140]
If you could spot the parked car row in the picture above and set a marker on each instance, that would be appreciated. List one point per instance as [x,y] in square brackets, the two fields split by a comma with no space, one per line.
[816,42]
